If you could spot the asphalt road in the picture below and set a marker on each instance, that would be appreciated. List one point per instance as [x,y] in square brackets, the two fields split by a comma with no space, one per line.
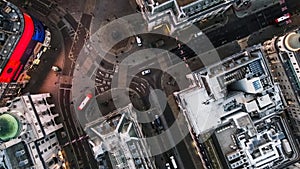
[154,79]
[106,11]
[237,28]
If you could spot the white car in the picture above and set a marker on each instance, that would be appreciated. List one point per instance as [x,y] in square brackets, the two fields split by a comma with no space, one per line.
[145,72]
[283,18]
[198,34]
[138,41]
[55,68]
[168,166]
[116,68]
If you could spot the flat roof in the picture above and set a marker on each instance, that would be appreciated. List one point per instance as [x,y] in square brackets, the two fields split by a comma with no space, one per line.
[224,137]
[194,102]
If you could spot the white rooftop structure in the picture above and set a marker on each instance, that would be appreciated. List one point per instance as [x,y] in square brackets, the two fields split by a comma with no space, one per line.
[119,138]
[181,13]
[33,142]
[238,103]
[224,88]
[264,143]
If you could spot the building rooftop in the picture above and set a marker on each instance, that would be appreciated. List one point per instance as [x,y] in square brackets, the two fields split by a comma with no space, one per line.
[11,28]
[181,13]
[237,103]
[266,146]
[28,139]
[9,127]
[18,156]
[221,89]
[116,140]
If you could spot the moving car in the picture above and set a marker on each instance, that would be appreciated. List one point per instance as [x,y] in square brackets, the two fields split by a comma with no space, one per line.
[138,41]
[198,34]
[283,18]
[158,123]
[173,162]
[146,72]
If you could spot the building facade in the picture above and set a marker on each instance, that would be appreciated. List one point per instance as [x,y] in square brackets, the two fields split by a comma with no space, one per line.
[28,138]
[177,14]
[282,54]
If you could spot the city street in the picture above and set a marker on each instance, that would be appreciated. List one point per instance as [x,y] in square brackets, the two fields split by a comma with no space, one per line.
[116,79]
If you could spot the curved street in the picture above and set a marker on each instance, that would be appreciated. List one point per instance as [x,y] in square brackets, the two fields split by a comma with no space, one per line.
[72,27]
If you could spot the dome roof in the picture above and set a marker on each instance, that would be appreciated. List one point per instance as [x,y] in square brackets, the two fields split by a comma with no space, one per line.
[9,127]
[292,41]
